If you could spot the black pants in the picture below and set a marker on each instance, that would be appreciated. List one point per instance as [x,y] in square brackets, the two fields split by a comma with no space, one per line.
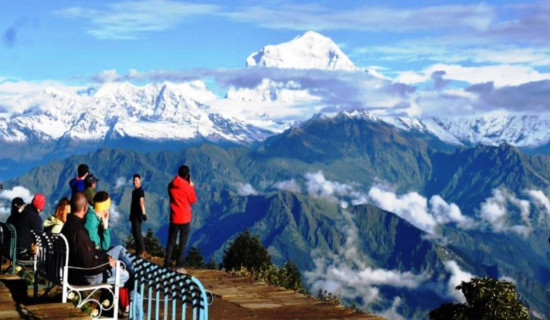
[183,230]
[138,237]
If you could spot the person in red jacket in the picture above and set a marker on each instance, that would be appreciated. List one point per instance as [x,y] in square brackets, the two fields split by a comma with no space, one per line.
[182,195]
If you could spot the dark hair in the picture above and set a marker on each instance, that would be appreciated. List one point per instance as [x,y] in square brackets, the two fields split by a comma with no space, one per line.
[101,196]
[82,169]
[183,172]
[80,203]
[137,176]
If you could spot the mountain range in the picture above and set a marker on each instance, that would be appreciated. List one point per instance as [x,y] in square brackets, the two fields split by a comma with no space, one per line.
[61,121]
[359,205]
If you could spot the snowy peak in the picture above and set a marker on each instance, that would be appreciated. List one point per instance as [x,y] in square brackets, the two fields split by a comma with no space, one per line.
[308,51]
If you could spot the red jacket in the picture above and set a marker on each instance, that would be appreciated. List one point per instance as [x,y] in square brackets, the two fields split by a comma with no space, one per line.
[182,196]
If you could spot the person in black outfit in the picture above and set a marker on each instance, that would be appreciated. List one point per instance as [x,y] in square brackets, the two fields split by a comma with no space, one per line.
[82,251]
[137,216]
[26,221]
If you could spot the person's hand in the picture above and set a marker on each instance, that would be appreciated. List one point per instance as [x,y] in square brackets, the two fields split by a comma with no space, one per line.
[112,262]
[105,223]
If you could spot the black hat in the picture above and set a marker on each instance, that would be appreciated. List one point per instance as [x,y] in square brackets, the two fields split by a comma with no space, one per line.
[17,202]
[90,179]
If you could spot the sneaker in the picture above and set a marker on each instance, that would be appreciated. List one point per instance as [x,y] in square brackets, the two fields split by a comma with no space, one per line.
[181,270]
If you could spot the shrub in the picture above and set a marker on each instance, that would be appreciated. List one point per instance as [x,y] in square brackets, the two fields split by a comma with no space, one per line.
[486,299]
[246,251]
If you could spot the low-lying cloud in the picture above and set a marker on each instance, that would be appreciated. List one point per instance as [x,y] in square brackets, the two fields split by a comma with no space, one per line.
[505,212]
[345,270]
[417,210]
[7,195]
[456,278]
[288,185]
[245,189]
[122,182]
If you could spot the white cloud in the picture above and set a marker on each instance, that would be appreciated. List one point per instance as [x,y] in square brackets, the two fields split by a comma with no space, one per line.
[500,75]
[245,189]
[346,271]
[106,76]
[319,187]
[17,191]
[19,96]
[121,182]
[114,214]
[288,185]
[370,18]
[8,194]
[392,312]
[501,213]
[539,198]
[444,212]
[5,212]
[127,20]
[457,277]
[417,210]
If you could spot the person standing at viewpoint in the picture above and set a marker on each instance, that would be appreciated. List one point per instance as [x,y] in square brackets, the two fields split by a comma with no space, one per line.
[138,215]
[182,195]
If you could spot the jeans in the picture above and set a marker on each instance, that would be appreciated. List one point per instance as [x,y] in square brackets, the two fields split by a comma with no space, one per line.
[138,237]
[183,230]
[120,253]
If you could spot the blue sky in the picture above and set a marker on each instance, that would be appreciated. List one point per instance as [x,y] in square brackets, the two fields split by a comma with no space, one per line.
[485,50]
[60,40]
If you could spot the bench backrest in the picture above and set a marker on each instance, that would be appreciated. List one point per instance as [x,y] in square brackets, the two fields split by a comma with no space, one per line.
[9,243]
[177,291]
[52,256]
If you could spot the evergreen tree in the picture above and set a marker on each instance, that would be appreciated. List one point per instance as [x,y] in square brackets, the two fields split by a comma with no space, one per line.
[212,265]
[195,259]
[246,251]
[486,299]
[153,245]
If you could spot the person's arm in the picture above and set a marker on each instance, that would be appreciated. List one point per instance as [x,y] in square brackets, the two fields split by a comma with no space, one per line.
[106,234]
[92,226]
[142,205]
[90,257]
[36,224]
[191,195]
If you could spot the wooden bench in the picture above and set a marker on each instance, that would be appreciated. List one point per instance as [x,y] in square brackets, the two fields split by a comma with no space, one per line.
[52,264]
[9,247]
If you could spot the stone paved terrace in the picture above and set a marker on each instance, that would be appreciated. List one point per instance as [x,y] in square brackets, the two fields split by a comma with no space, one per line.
[235,297]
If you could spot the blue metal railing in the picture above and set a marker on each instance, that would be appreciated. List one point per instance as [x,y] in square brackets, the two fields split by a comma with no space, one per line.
[165,292]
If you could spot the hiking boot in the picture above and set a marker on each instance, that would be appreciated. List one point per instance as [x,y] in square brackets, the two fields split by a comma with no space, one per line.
[181,270]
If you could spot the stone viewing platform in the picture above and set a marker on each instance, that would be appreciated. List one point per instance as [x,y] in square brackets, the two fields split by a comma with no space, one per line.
[235,297]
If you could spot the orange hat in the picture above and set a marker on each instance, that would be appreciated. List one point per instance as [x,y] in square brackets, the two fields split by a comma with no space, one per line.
[39,201]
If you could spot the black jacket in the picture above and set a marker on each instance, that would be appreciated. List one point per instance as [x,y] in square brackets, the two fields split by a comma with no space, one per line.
[82,252]
[24,222]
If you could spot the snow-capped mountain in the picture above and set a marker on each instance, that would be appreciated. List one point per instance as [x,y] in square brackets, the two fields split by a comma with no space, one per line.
[525,131]
[521,130]
[165,111]
[308,51]
[190,112]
